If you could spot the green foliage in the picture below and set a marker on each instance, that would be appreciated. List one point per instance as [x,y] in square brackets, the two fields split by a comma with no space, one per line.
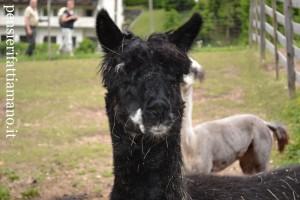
[4,193]
[179,5]
[225,20]
[135,2]
[2,49]
[159,3]
[172,20]
[20,49]
[245,7]
[87,46]
[156,3]
[30,193]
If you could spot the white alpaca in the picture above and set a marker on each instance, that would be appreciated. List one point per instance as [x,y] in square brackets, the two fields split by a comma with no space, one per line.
[213,146]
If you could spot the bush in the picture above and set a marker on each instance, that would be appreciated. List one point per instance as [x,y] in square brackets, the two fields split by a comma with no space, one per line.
[159,3]
[20,49]
[2,49]
[179,5]
[86,46]
[135,2]
[156,3]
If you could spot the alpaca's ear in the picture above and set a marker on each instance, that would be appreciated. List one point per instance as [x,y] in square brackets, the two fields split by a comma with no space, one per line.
[109,35]
[185,35]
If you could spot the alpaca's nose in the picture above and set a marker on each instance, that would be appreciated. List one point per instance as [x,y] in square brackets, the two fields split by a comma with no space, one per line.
[158,110]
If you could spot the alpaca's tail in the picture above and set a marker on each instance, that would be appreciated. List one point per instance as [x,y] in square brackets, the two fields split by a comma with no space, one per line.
[280,133]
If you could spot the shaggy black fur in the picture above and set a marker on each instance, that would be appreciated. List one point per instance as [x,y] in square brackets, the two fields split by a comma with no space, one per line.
[147,75]
[282,184]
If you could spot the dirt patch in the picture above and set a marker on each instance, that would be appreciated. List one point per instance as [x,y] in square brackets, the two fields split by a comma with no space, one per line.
[232,170]
[2,109]
[237,95]
[297,66]
[231,71]
[201,95]
[90,113]
[86,180]
[72,197]
[94,139]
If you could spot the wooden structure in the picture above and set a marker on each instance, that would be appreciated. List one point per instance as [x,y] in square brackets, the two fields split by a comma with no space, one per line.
[260,28]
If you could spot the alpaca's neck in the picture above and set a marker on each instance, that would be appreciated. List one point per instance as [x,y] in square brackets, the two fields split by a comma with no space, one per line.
[187,131]
[146,168]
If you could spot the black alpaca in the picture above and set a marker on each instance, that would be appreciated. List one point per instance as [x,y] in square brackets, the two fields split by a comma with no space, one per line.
[144,107]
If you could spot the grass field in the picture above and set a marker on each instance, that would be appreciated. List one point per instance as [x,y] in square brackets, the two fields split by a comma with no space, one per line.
[63,146]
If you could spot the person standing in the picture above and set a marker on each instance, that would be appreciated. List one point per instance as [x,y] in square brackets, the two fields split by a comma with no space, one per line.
[31,19]
[67,21]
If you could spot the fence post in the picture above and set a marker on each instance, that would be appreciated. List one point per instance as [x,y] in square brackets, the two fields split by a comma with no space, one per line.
[262,32]
[289,32]
[275,27]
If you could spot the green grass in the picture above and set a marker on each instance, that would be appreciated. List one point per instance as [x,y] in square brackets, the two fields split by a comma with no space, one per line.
[10,174]
[291,113]
[30,193]
[59,103]
[63,127]
[4,193]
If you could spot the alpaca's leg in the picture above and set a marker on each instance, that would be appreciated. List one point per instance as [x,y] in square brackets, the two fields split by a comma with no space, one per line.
[204,164]
[249,163]
[200,163]
[257,156]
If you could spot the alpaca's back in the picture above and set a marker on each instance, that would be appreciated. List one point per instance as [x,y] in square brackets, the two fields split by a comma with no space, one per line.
[237,131]
[283,184]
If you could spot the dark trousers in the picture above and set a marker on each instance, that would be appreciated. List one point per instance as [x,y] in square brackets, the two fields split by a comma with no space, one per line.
[31,42]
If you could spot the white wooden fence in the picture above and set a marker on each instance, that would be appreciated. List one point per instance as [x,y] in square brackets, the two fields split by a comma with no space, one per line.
[259,28]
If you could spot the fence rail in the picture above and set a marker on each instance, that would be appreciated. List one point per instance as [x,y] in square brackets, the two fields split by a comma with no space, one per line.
[295,3]
[260,28]
[281,19]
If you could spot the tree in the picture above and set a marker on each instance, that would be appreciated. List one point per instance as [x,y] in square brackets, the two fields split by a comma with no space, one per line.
[173,20]
[179,5]
[224,20]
